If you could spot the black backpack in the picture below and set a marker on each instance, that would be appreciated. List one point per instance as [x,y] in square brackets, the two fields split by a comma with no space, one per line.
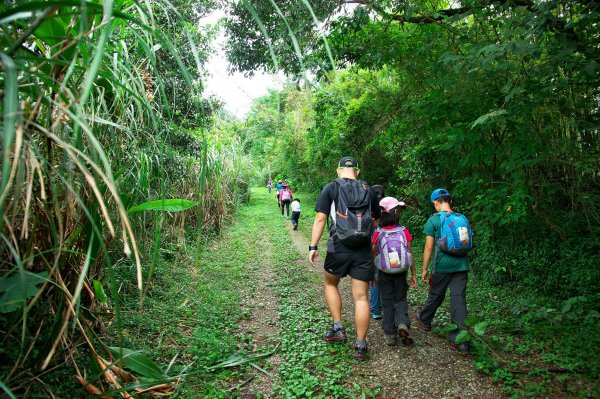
[353,222]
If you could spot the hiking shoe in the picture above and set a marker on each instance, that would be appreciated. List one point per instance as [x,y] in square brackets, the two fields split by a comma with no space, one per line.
[390,339]
[335,336]
[360,352]
[422,325]
[375,316]
[295,227]
[403,333]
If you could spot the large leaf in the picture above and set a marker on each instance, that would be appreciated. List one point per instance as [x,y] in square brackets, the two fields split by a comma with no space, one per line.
[462,337]
[170,205]
[99,290]
[484,118]
[472,320]
[480,328]
[18,288]
[137,361]
[450,327]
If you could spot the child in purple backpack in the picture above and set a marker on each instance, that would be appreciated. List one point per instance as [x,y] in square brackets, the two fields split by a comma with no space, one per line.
[285,199]
[394,287]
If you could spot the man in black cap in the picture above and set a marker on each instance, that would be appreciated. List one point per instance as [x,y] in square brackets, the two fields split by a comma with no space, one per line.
[348,248]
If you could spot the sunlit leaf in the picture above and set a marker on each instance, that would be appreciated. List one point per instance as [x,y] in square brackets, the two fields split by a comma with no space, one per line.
[462,337]
[136,361]
[480,328]
[99,291]
[170,205]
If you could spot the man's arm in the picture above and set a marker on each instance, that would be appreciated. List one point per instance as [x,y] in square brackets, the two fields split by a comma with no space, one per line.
[429,243]
[317,232]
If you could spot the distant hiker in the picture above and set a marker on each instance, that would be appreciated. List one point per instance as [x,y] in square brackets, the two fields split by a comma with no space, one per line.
[285,199]
[393,258]
[295,212]
[374,293]
[270,184]
[446,270]
[279,187]
[352,207]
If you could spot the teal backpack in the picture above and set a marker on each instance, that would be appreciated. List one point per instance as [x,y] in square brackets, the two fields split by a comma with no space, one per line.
[456,236]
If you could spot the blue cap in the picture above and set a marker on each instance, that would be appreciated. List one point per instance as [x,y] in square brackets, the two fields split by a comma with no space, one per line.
[440,192]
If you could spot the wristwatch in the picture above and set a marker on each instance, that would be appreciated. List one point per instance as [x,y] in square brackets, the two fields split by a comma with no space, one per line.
[312,247]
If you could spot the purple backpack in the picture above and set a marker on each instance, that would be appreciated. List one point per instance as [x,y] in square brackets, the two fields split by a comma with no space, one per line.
[394,256]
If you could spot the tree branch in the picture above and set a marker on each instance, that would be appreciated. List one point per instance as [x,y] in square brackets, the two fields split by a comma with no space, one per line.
[439,15]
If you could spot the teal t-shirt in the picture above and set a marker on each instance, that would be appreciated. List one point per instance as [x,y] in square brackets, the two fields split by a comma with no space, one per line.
[442,262]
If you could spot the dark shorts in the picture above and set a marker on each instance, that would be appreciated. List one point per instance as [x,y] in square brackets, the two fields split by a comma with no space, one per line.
[358,265]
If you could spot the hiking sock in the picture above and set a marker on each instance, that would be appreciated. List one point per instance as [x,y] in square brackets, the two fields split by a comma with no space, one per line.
[361,342]
[337,325]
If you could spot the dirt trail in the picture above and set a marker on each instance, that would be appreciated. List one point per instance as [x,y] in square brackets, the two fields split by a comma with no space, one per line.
[428,369]
[261,323]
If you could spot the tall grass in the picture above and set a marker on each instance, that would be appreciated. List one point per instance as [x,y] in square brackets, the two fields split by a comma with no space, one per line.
[86,124]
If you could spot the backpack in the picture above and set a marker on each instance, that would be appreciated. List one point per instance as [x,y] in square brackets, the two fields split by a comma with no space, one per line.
[286,195]
[353,222]
[394,256]
[456,236]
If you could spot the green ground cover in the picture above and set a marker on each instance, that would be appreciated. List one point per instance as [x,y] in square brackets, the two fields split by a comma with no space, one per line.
[189,321]
[536,346]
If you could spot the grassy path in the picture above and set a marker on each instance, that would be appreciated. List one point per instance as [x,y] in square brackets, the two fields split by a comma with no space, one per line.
[254,293]
[305,366]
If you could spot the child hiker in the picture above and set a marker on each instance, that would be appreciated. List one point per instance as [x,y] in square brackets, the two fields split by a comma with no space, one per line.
[295,212]
[449,233]
[393,258]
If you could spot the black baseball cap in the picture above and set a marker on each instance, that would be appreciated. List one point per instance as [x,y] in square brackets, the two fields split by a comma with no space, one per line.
[348,162]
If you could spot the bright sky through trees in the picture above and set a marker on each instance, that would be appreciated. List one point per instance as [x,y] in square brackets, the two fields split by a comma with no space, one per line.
[236,90]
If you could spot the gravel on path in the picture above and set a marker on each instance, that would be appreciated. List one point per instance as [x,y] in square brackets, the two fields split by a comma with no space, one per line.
[427,369]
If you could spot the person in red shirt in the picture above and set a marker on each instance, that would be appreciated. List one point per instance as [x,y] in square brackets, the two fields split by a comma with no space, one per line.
[394,287]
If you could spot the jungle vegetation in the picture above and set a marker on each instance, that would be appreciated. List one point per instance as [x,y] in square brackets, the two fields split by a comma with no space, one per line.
[111,153]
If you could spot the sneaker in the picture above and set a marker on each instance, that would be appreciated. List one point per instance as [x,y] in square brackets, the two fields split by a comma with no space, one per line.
[422,325]
[335,336]
[390,339]
[360,353]
[375,316]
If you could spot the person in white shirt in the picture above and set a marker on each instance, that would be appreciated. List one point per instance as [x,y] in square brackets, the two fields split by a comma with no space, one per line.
[295,212]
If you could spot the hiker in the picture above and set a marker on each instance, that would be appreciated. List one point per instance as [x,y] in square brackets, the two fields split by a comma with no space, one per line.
[446,270]
[285,199]
[374,293]
[270,185]
[393,258]
[352,207]
[295,212]
[278,189]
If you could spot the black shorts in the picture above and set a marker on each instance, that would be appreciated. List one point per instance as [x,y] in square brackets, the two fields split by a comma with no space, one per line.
[358,265]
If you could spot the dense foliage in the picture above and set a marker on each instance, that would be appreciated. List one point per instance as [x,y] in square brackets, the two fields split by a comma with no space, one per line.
[106,138]
[498,101]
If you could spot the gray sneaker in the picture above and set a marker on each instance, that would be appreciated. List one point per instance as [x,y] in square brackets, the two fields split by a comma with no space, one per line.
[335,336]
[390,340]
[403,333]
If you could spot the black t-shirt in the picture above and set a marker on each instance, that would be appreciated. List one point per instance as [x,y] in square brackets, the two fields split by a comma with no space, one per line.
[326,198]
